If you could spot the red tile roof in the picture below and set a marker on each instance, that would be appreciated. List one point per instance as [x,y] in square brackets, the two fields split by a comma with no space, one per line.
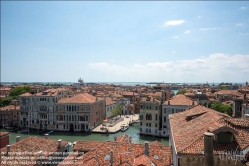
[124,154]
[31,145]
[188,129]
[180,100]
[4,133]
[80,98]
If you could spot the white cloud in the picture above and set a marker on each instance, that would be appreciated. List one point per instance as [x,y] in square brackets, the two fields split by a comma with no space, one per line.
[198,16]
[173,52]
[174,22]
[175,37]
[216,67]
[187,31]
[240,24]
[242,8]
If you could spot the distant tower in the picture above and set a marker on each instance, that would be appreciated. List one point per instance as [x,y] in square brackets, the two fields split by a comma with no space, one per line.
[80,81]
[246,83]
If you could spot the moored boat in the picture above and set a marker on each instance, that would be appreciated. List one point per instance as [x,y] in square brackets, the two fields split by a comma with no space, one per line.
[124,127]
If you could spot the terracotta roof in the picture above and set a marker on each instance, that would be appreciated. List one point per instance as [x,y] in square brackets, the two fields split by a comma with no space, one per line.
[124,154]
[83,145]
[80,98]
[110,102]
[31,145]
[188,129]
[9,107]
[4,133]
[227,92]
[125,93]
[26,94]
[180,100]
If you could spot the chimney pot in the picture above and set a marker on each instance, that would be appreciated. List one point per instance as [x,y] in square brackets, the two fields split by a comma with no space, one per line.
[208,148]
[17,138]
[59,143]
[74,144]
[46,136]
[40,155]
[146,148]
[168,102]
[193,102]
[8,148]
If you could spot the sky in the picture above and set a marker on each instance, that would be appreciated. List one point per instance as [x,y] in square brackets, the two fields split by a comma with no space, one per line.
[125,41]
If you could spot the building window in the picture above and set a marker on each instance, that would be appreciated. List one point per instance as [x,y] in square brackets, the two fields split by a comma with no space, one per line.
[141,129]
[156,108]
[156,116]
[141,123]
[141,106]
[156,125]
[165,110]
[164,119]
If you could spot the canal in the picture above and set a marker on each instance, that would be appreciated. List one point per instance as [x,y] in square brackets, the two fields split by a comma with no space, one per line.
[133,131]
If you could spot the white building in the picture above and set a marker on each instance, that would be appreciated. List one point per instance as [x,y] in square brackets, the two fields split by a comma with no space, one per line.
[110,105]
[37,111]
[176,104]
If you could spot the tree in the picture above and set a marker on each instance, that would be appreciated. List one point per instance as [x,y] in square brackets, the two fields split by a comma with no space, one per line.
[19,90]
[182,91]
[14,93]
[223,88]
[223,108]
[117,110]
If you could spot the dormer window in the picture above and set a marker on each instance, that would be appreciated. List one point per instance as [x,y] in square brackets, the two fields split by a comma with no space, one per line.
[224,134]
[224,137]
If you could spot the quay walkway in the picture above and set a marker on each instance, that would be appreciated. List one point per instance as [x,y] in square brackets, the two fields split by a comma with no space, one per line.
[117,126]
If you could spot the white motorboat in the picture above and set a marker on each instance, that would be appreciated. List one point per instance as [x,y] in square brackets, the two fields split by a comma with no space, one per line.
[124,127]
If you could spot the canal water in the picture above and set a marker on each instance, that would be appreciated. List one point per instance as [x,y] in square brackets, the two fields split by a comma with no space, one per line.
[133,131]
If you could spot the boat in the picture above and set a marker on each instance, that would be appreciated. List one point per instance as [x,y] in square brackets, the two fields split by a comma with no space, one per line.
[124,127]
[9,128]
[50,132]
[25,131]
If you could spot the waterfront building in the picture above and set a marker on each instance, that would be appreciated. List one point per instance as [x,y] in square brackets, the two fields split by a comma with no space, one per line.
[200,136]
[34,151]
[38,111]
[150,116]
[178,103]
[9,115]
[119,153]
[110,105]
[4,139]
[82,112]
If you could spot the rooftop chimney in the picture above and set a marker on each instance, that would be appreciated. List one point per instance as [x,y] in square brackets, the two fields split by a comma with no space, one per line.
[168,102]
[111,157]
[17,138]
[8,148]
[146,148]
[40,155]
[74,144]
[193,102]
[208,148]
[59,143]
[46,136]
